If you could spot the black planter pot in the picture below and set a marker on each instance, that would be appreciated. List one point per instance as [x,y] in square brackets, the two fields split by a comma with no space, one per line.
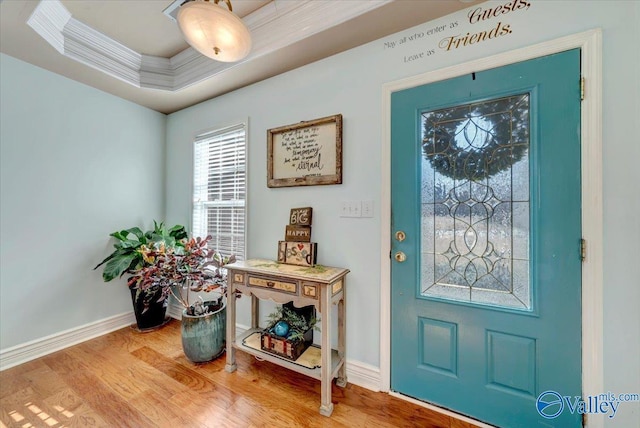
[155,315]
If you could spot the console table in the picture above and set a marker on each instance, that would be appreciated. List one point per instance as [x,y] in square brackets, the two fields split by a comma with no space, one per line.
[320,286]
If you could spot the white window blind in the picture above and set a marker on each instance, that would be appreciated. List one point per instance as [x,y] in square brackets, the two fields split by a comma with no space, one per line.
[219,189]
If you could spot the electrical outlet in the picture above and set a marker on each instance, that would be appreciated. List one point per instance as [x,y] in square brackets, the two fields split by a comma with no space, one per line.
[367,209]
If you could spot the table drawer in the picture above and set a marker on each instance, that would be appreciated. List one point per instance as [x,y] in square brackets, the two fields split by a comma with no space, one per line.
[311,290]
[287,287]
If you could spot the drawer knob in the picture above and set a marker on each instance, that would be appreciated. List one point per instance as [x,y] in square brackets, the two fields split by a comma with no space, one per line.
[271,284]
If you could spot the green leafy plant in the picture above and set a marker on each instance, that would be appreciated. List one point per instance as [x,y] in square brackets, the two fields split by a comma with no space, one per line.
[298,324]
[132,245]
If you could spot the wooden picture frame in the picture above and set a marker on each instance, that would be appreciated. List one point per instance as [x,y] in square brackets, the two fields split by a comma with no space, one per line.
[305,154]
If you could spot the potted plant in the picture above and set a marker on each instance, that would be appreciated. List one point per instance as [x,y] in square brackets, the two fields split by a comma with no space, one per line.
[132,253]
[181,274]
[290,331]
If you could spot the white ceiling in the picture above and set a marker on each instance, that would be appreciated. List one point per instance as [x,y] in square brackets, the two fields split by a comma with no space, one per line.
[141,26]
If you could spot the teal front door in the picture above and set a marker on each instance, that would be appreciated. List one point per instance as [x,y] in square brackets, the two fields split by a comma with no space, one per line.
[486,270]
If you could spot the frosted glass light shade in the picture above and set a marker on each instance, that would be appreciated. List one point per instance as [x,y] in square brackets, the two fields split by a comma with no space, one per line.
[214,31]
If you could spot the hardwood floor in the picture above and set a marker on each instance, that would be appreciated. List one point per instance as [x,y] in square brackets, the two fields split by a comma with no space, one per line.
[131,379]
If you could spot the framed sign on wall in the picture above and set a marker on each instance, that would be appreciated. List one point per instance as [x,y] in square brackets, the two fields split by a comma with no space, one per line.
[305,154]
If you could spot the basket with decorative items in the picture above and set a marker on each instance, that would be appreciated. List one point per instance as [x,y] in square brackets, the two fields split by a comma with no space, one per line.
[290,331]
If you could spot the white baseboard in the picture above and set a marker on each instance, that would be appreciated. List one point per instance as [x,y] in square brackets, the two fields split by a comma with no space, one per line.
[364,375]
[174,311]
[28,351]
[358,373]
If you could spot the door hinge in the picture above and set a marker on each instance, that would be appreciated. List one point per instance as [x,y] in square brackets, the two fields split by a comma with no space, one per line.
[581,88]
[583,249]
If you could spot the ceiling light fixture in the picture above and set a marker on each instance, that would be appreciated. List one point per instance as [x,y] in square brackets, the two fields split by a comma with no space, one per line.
[214,31]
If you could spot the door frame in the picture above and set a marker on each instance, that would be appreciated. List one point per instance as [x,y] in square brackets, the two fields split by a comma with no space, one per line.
[590,43]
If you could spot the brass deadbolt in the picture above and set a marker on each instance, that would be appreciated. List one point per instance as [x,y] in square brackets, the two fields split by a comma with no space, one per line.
[400,257]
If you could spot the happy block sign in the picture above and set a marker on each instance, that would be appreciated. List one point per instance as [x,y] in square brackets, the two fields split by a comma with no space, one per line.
[298,233]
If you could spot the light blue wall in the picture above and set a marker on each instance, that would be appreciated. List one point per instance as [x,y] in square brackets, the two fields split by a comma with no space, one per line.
[351,84]
[76,164]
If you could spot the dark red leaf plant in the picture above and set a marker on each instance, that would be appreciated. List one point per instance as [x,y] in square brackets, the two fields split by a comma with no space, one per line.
[181,272]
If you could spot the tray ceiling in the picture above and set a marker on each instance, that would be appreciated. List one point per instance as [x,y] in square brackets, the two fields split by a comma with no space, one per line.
[131,49]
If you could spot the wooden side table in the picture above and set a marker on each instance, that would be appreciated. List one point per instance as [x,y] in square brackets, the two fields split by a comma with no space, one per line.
[320,286]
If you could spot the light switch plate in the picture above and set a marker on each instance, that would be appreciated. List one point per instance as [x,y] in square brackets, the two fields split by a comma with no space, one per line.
[351,209]
[367,209]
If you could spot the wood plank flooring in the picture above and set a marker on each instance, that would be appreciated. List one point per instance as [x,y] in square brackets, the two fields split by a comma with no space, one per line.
[131,379]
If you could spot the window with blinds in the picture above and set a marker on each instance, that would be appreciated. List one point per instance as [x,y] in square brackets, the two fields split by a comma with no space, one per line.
[219,189]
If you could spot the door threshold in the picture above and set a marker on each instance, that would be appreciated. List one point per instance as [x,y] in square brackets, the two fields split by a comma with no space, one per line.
[468,420]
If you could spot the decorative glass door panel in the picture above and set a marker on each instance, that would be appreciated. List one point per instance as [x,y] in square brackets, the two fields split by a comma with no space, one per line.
[475,203]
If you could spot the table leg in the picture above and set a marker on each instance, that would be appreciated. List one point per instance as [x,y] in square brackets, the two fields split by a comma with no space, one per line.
[342,340]
[231,328]
[255,311]
[326,406]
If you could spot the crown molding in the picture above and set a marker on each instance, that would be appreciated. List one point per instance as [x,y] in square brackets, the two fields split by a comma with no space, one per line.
[48,20]
[278,24]
[90,47]
[156,73]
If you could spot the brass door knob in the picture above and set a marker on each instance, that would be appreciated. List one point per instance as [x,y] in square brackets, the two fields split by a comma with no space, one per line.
[400,257]
[400,236]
